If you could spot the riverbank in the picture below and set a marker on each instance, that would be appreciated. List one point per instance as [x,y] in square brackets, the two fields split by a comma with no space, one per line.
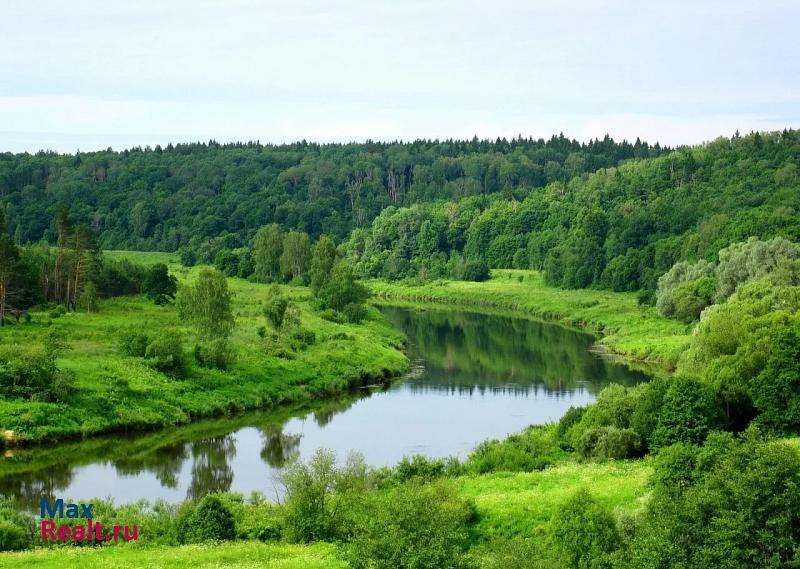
[508,506]
[625,328]
[113,392]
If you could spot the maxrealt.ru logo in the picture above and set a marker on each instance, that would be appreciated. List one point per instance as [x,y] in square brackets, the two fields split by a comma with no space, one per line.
[90,531]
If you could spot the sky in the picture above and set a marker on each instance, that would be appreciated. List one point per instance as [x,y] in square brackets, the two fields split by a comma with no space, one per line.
[92,74]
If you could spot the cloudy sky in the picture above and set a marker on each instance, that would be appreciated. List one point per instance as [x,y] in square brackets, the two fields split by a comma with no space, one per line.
[90,74]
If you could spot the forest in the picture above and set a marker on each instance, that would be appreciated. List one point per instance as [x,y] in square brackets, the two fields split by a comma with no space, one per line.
[164,199]
[684,260]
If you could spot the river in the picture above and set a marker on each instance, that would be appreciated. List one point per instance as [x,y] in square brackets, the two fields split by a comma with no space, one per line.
[474,376]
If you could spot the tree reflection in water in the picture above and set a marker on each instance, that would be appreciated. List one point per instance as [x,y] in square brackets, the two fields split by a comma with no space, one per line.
[211,470]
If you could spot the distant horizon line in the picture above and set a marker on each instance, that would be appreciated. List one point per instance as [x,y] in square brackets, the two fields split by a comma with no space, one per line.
[354,142]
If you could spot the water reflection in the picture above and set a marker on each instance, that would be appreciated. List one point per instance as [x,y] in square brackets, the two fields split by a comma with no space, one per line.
[474,377]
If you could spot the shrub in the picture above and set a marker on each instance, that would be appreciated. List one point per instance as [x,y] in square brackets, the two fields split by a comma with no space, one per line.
[477,271]
[423,468]
[534,449]
[211,520]
[691,297]
[320,494]
[30,372]
[649,397]
[776,390]
[354,313]
[16,529]
[165,353]
[275,308]
[188,258]
[610,443]
[679,274]
[584,532]
[133,343]
[57,312]
[159,286]
[412,527]
[688,414]
[568,420]
[218,354]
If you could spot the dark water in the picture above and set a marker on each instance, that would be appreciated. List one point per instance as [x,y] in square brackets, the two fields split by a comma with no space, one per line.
[474,377]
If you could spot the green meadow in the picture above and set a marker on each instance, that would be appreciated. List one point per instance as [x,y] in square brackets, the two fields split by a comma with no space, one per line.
[113,392]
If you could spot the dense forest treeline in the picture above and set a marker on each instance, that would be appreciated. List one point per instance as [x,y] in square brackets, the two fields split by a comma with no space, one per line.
[619,228]
[179,196]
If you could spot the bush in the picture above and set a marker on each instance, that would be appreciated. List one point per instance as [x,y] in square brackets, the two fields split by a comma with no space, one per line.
[159,286]
[188,258]
[319,495]
[275,308]
[584,532]
[776,390]
[421,467]
[610,443]
[688,414]
[572,417]
[211,520]
[534,449]
[412,527]
[165,353]
[649,397]
[16,529]
[692,297]
[133,343]
[57,312]
[30,372]
[217,354]
[477,271]
[354,313]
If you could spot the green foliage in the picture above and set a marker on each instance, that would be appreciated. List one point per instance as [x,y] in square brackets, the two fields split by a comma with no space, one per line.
[343,289]
[267,251]
[750,260]
[421,468]
[584,532]
[610,443]
[217,353]
[88,298]
[674,282]
[210,520]
[688,413]
[16,529]
[276,307]
[159,286]
[321,495]
[208,304]
[776,390]
[30,372]
[534,449]
[296,256]
[412,526]
[322,262]
[692,297]
[733,505]
[133,343]
[164,352]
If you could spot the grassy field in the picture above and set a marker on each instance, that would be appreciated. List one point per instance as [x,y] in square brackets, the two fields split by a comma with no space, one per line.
[517,504]
[113,392]
[241,555]
[625,328]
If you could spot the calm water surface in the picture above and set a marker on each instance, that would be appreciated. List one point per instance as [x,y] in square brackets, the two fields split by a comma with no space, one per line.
[474,377]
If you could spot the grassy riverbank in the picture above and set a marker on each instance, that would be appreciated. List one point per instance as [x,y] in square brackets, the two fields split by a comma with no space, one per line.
[626,328]
[508,506]
[113,392]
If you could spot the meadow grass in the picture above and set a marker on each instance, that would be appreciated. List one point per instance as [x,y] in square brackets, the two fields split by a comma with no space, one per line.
[239,555]
[518,504]
[626,328]
[113,392]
